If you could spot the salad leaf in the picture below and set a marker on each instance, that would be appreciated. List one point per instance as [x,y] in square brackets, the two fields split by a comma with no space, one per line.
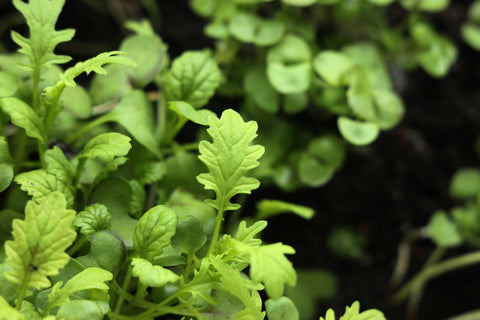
[267,208]
[23,116]
[151,275]
[92,219]
[353,313]
[40,240]
[106,147]
[229,157]
[59,166]
[8,84]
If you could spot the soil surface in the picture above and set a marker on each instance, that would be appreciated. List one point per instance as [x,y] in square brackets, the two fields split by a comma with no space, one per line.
[383,191]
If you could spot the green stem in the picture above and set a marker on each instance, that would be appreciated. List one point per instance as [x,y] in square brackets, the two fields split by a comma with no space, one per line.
[35,93]
[471,315]
[126,283]
[23,290]
[80,243]
[78,172]
[140,294]
[89,126]
[216,231]
[436,270]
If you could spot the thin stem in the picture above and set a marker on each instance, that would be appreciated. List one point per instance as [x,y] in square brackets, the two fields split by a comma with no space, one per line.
[78,172]
[23,290]
[182,147]
[471,315]
[79,244]
[89,126]
[216,231]
[126,283]
[436,270]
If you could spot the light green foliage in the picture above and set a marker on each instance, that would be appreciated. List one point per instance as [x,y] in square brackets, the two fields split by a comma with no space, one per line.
[353,313]
[186,111]
[107,251]
[251,29]
[6,165]
[299,3]
[443,231]
[289,68]
[43,36]
[267,208]
[154,231]
[260,91]
[59,166]
[106,147]
[193,78]
[92,219]
[332,66]
[8,85]
[465,183]
[229,157]
[40,240]
[77,101]
[82,309]
[281,309]
[471,29]
[88,279]
[426,5]
[356,132]
[151,275]
[246,234]
[8,312]
[24,117]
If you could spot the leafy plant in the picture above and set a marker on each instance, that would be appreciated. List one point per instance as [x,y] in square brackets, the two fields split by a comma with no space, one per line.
[106,217]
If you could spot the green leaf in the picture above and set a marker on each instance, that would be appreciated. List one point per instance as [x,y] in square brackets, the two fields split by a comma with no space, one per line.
[246,234]
[185,110]
[269,265]
[381,2]
[43,37]
[150,172]
[8,85]
[8,312]
[23,116]
[88,279]
[268,208]
[135,108]
[229,158]
[106,147]
[8,290]
[189,235]
[295,102]
[109,87]
[139,197]
[40,240]
[332,66]
[346,243]
[251,29]
[299,3]
[353,313]
[92,219]
[259,89]
[151,275]
[281,309]
[356,132]
[154,231]
[39,184]
[59,166]
[389,108]
[107,251]
[426,5]
[465,183]
[471,34]
[6,165]
[443,231]
[288,65]
[83,309]
[77,101]
[148,52]
[193,78]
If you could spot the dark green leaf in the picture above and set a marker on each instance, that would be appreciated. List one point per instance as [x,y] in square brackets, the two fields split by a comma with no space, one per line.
[92,219]
[189,236]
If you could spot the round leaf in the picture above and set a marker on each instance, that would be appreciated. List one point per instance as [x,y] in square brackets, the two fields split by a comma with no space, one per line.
[356,132]
[260,90]
[465,183]
[107,250]
[190,235]
[332,66]
[389,108]
[281,309]
[313,172]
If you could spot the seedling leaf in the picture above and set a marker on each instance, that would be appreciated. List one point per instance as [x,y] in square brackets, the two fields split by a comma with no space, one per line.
[8,84]
[229,157]
[37,250]
[59,166]
[151,275]
[356,132]
[92,219]
[106,147]
[23,116]
[281,309]
[8,312]
[443,231]
[6,165]
[267,208]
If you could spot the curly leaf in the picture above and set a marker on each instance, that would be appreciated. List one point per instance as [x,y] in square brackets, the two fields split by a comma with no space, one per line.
[353,313]
[229,158]
[107,146]
[23,116]
[151,275]
[93,219]
[37,250]
[154,231]
[90,278]
[41,16]
[193,78]
[7,312]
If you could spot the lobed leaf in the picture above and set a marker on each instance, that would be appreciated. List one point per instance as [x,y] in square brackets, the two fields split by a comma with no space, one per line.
[246,234]
[229,157]
[281,309]
[37,250]
[152,275]
[353,313]
[59,166]
[106,147]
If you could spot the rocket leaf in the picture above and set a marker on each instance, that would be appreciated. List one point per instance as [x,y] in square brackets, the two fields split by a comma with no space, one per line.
[37,250]
[229,157]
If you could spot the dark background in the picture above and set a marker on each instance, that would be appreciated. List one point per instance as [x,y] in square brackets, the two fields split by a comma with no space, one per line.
[383,191]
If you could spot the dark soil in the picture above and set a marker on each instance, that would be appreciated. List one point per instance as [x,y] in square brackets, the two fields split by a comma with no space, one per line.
[383,191]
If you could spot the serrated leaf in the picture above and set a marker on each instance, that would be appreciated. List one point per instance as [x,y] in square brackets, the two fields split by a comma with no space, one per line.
[267,208]
[443,231]
[90,278]
[23,116]
[151,275]
[154,231]
[37,250]
[246,234]
[39,47]
[193,78]
[353,313]
[7,312]
[229,158]
[106,147]
[39,184]
[59,166]
[269,265]
[281,309]
[92,219]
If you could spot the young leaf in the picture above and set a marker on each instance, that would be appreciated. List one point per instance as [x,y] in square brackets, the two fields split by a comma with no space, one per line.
[229,158]
[83,309]
[106,147]
[8,84]
[37,250]
[154,231]
[259,89]
[267,208]
[356,132]
[107,251]
[90,278]
[465,183]
[43,37]
[332,66]
[92,219]
[251,29]
[150,172]
[193,78]
[151,275]
[189,236]
[59,166]
[353,313]
[6,165]
[246,235]
[281,309]
[443,231]
[184,109]
[23,116]
[7,312]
